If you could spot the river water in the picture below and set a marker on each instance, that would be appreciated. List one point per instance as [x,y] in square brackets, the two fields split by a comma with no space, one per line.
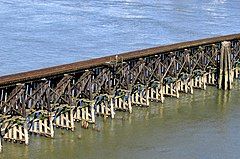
[41,33]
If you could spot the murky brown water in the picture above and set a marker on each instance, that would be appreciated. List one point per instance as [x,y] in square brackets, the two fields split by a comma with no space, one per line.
[202,126]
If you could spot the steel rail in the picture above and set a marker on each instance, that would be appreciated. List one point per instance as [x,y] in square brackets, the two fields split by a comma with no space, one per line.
[87,64]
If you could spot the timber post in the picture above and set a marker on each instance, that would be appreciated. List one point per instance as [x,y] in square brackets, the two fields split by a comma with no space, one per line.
[0,144]
[225,67]
[32,101]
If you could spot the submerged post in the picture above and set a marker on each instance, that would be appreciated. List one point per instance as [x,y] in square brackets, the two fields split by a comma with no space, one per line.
[0,144]
[25,127]
[225,67]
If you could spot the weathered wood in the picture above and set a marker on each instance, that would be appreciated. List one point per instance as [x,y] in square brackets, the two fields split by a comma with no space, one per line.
[225,69]
[65,120]
[43,126]
[0,144]
[80,91]
[17,133]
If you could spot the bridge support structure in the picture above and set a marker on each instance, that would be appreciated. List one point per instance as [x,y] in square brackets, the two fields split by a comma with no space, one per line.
[226,72]
[39,100]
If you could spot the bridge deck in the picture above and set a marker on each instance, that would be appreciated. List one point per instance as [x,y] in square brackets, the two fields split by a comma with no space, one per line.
[38,101]
[72,67]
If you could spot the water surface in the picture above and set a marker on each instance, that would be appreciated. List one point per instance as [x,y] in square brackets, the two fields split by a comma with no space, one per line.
[41,33]
[202,125]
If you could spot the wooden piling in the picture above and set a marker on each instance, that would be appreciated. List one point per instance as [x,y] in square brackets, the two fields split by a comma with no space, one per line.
[112,108]
[225,67]
[136,69]
[0,144]
[43,126]
[93,113]
[66,120]
[51,126]
[129,103]
[18,133]
[25,127]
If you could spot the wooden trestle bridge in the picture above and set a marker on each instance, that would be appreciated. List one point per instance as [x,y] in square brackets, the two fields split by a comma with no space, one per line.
[38,101]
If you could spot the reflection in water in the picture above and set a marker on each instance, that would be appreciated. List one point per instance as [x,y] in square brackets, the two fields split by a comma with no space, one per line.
[207,121]
[43,33]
